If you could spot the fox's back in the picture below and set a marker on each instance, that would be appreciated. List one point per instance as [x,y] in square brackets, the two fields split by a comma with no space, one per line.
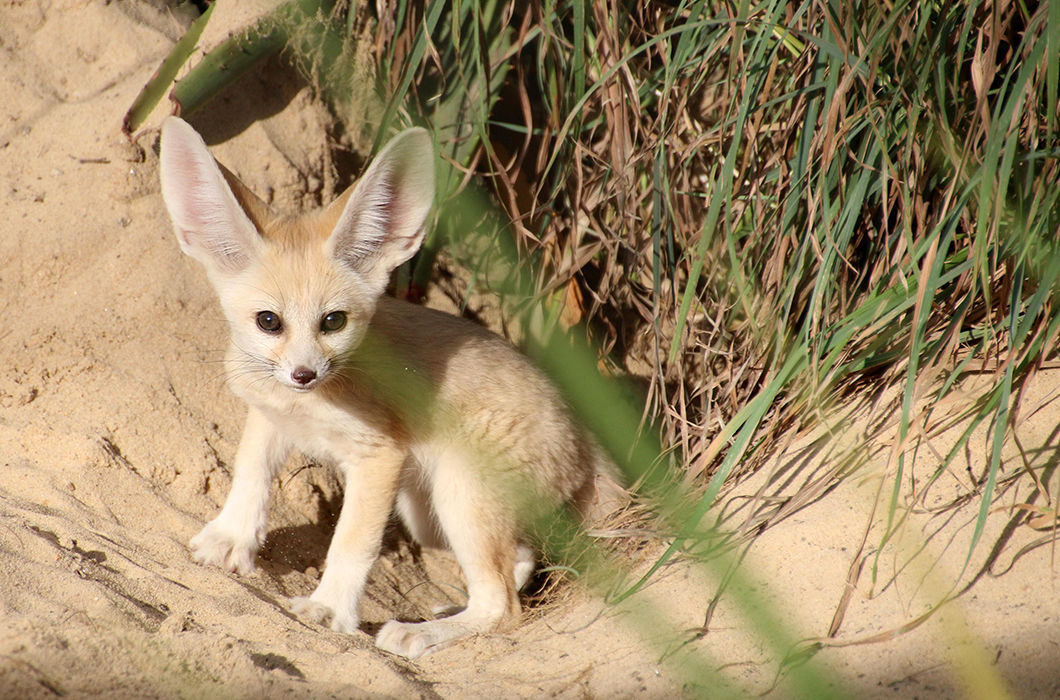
[485,393]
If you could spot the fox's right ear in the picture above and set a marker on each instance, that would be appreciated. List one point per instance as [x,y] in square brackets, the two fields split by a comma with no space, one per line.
[211,225]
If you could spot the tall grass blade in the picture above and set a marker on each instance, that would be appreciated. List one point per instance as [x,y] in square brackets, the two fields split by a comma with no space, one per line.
[160,82]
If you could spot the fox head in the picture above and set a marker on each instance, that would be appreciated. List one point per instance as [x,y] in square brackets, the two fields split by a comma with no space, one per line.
[298,293]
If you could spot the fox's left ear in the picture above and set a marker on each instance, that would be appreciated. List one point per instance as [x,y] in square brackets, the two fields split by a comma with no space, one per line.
[382,219]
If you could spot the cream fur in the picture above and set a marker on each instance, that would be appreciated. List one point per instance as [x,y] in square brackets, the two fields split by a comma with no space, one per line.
[421,411]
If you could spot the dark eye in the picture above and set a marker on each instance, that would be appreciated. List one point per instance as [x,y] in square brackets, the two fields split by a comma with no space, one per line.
[334,321]
[269,322]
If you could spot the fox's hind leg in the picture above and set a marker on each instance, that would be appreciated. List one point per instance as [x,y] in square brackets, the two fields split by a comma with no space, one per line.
[480,529]
[414,506]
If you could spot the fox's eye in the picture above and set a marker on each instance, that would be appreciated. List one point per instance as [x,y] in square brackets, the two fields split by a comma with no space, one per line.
[334,321]
[269,322]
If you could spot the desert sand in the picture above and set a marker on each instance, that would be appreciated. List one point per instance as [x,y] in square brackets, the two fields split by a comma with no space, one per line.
[117,435]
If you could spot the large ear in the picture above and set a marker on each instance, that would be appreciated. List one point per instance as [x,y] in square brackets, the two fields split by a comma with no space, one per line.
[382,220]
[211,224]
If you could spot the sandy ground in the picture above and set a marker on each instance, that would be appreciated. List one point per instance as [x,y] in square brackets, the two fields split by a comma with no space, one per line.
[116,435]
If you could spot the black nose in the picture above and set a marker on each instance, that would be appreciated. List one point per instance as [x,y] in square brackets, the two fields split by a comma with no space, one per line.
[303,375]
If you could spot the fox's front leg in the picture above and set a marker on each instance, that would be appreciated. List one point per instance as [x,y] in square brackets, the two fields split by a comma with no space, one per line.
[232,539]
[371,486]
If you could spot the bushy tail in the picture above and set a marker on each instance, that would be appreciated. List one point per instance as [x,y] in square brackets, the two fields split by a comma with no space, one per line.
[603,496]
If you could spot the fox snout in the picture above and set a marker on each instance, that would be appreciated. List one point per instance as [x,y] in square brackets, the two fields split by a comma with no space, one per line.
[303,376]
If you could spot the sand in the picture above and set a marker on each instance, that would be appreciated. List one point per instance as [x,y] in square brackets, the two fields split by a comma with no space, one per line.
[117,435]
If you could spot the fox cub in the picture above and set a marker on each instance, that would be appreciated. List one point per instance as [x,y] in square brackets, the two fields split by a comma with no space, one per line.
[422,412]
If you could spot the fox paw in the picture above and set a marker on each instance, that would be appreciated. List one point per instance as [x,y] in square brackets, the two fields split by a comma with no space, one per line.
[217,545]
[413,640]
[323,614]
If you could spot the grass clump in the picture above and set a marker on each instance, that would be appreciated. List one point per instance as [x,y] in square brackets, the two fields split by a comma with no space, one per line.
[753,207]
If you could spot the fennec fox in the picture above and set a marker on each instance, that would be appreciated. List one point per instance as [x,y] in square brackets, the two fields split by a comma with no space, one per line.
[421,412]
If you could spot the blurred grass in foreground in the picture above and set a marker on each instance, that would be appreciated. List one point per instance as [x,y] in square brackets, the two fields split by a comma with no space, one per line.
[750,209]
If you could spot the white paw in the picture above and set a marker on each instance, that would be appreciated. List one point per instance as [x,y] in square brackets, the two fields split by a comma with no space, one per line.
[221,546]
[324,614]
[413,640]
